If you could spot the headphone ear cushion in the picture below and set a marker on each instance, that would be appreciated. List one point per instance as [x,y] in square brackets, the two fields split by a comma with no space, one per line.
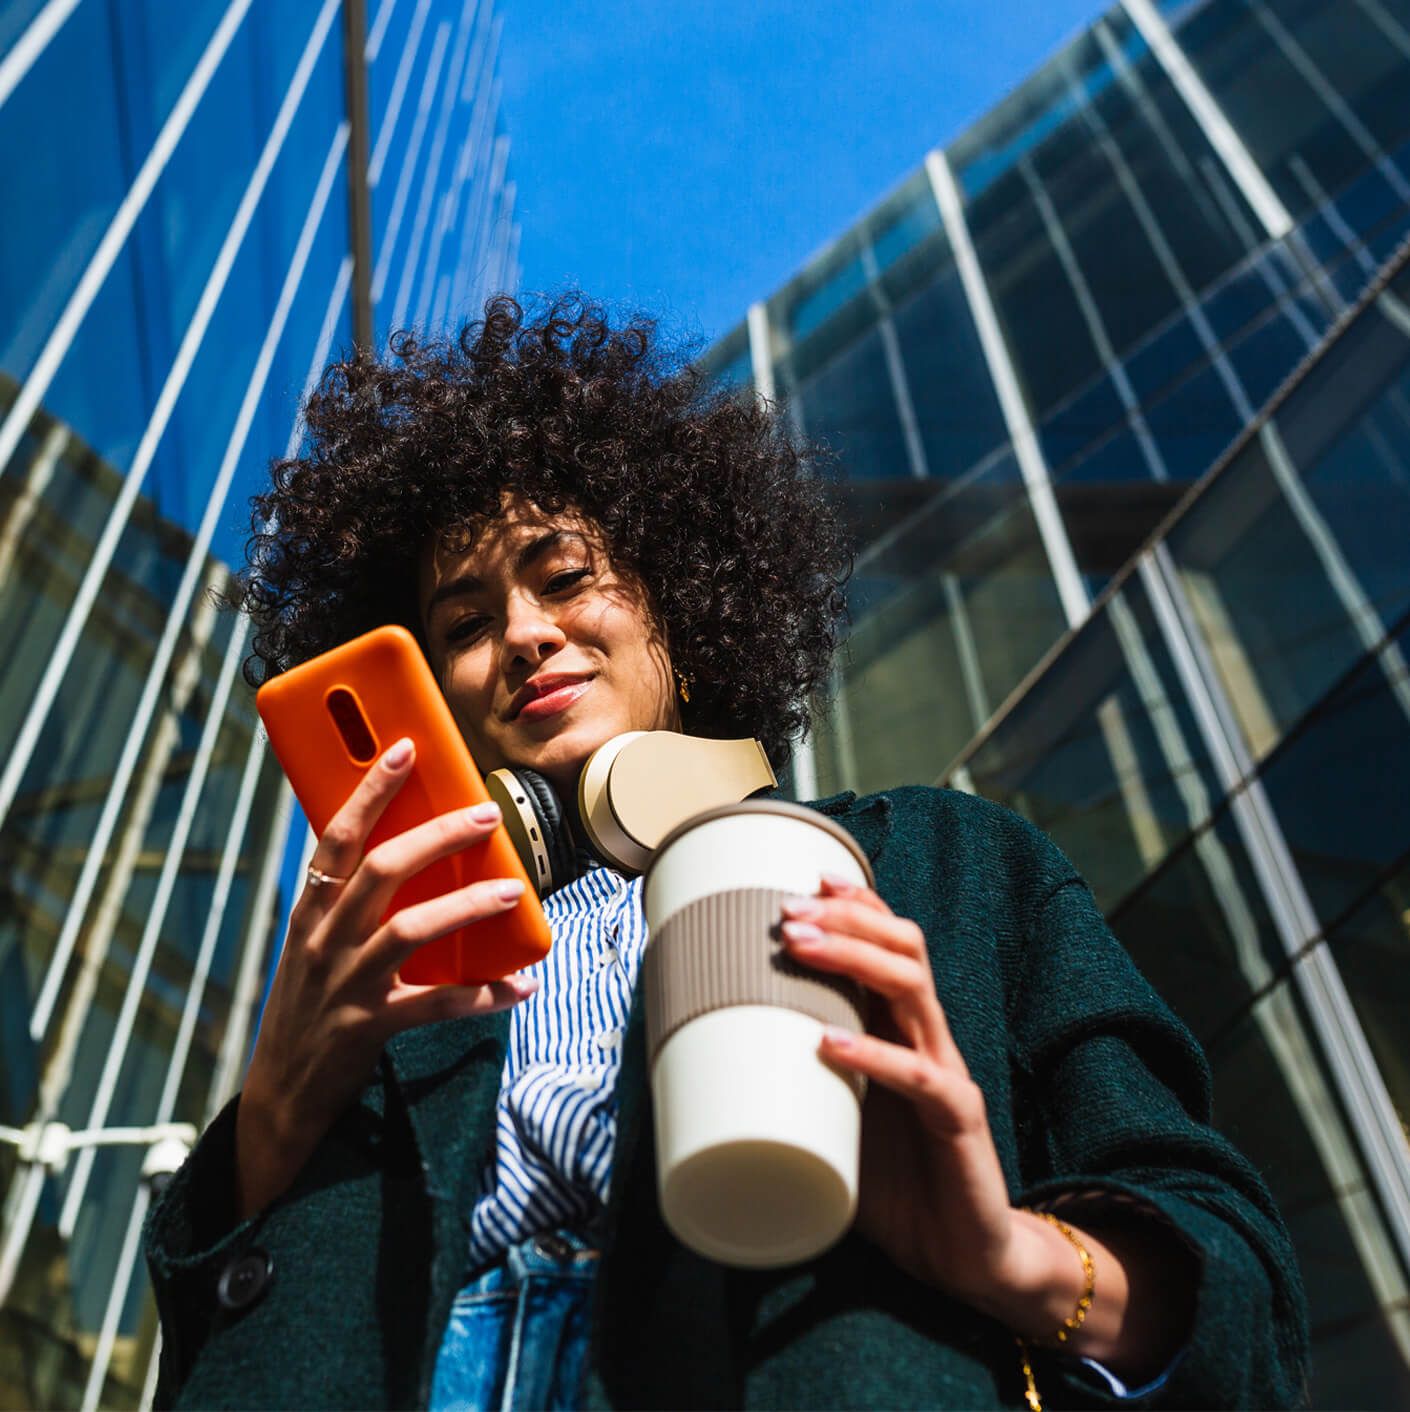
[553,826]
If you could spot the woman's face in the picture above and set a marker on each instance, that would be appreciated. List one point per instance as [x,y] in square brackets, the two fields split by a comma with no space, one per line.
[543,649]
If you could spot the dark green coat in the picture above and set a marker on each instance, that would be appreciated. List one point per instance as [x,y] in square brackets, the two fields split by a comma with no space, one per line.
[1092,1086]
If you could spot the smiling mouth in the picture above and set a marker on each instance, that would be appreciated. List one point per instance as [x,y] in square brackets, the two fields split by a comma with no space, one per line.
[557,699]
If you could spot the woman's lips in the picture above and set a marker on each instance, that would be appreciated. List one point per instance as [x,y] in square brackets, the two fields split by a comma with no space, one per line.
[552,703]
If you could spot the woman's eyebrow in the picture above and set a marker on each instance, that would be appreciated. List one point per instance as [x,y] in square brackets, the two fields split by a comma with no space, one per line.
[463,584]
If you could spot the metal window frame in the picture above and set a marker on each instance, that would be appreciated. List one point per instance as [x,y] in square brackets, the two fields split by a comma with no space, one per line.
[413,157]
[1072,592]
[33,723]
[26,50]
[356,56]
[56,346]
[430,181]
[180,604]
[1218,130]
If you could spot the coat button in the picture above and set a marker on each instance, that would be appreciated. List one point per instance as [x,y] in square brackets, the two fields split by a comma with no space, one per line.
[242,1281]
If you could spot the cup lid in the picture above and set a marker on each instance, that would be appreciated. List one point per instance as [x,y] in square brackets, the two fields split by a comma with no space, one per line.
[765,806]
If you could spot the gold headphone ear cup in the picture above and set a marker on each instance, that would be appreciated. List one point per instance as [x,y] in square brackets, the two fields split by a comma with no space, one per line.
[522,824]
[605,835]
[639,786]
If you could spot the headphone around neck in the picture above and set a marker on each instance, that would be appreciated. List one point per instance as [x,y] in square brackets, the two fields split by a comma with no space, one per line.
[631,793]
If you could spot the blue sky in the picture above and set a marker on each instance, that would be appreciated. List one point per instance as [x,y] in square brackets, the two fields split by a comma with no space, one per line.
[689,157]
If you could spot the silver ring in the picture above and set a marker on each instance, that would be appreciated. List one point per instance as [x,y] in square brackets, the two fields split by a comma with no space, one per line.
[317,877]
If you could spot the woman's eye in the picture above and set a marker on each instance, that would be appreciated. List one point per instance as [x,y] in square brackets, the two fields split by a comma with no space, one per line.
[466,630]
[563,580]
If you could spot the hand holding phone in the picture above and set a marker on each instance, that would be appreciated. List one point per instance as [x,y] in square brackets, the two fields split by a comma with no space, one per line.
[337,995]
[330,718]
[403,819]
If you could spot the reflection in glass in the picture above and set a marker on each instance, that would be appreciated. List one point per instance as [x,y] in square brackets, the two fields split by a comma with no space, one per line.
[727,362]
[1339,783]
[1200,930]
[1274,1097]
[1372,951]
[1294,558]
[1306,78]
[952,610]
[1104,756]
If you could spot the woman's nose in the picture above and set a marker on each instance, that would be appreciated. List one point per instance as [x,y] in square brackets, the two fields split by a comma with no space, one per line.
[531,633]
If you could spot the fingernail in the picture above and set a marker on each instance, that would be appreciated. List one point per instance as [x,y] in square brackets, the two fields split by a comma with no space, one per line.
[839,1039]
[399,754]
[802,933]
[508,890]
[837,882]
[800,907]
[485,813]
[524,986]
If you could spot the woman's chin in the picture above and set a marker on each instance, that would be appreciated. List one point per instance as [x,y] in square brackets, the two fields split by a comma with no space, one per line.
[561,760]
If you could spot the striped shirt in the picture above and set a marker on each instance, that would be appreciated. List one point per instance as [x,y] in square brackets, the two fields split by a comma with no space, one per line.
[556,1121]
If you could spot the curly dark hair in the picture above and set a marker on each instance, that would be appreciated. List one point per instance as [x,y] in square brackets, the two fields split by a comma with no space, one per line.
[709,499]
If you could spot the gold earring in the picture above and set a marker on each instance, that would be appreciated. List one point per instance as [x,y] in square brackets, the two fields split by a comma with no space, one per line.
[683,686]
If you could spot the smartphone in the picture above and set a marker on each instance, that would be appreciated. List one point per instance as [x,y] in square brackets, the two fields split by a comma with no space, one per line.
[331,718]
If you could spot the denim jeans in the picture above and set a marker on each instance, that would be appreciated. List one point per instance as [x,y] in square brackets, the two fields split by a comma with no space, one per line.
[518,1332]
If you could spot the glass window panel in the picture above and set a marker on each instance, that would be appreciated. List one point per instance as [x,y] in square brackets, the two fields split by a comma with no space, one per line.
[1027,118]
[1372,951]
[728,362]
[1032,295]
[1121,465]
[158,46]
[1339,784]
[1102,752]
[956,408]
[1089,416]
[1203,219]
[904,220]
[1200,929]
[1273,107]
[839,279]
[15,19]
[1355,51]
[395,36]
[1080,170]
[850,404]
[1193,424]
[1107,521]
[960,604]
[68,198]
[1295,563]
[1275,1098]
[1163,359]
[1264,354]
[19,1056]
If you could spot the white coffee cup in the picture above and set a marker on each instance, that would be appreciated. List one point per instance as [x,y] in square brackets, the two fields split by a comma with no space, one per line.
[757,1138]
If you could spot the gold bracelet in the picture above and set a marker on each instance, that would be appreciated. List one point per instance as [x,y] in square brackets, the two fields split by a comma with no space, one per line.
[1077,1318]
[1074,1321]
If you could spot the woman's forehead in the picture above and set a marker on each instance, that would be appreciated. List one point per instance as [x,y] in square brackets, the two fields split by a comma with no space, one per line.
[496,544]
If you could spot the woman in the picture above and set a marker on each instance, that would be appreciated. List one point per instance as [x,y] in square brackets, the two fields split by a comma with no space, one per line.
[420,1199]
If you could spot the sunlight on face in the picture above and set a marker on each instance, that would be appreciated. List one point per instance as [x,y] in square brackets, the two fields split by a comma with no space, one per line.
[542,648]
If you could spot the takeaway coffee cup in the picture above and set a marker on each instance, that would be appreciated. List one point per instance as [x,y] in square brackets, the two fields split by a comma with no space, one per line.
[757,1138]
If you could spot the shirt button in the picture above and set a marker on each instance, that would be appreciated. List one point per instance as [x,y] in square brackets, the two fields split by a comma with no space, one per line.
[609,955]
[242,1281]
[609,1040]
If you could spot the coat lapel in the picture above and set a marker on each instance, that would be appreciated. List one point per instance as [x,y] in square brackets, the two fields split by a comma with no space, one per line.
[448,1075]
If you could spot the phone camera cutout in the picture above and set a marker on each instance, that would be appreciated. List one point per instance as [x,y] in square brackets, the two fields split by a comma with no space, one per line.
[352,725]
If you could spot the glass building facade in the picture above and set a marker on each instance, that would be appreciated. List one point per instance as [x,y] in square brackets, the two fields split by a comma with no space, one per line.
[242,189]
[1119,385]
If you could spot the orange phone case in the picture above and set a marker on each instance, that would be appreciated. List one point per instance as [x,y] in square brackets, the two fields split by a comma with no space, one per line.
[331,718]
